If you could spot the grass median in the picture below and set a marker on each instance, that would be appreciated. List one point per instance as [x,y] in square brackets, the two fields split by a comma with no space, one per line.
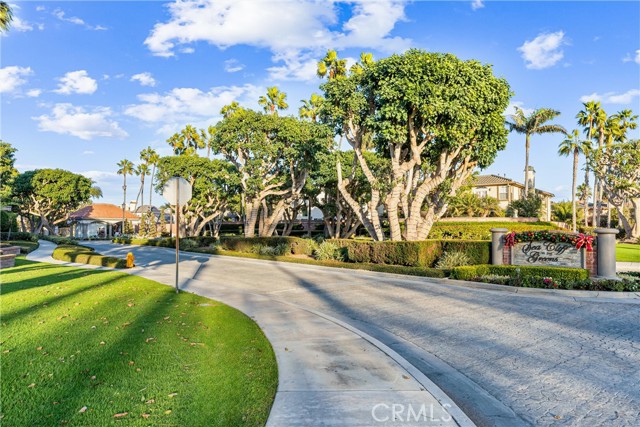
[627,252]
[101,348]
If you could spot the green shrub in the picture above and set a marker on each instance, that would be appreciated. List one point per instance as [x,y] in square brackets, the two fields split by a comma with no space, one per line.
[328,250]
[18,235]
[85,255]
[453,259]
[473,272]
[26,246]
[297,245]
[478,251]
[410,254]
[59,240]
[481,230]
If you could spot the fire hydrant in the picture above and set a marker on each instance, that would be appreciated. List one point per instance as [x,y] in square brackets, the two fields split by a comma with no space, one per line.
[130,260]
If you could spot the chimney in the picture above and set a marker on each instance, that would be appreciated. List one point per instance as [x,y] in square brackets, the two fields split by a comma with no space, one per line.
[132,206]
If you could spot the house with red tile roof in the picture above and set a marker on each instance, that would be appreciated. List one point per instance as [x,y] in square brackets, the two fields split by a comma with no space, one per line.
[99,220]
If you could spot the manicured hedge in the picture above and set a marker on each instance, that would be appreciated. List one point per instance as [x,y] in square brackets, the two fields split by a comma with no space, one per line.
[167,242]
[472,272]
[59,240]
[18,235]
[481,230]
[245,244]
[85,255]
[414,254]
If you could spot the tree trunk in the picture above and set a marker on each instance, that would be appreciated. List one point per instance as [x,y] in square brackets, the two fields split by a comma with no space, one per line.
[526,164]
[635,230]
[573,190]
[153,173]
[252,209]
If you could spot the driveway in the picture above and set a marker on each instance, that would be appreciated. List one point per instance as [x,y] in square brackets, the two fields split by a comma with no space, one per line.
[505,358]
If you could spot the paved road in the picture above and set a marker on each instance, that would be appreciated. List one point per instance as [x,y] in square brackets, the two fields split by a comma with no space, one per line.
[506,359]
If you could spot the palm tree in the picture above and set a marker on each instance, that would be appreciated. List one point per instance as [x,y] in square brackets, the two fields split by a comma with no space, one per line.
[587,118]
[228,110]
[531,125]
[188,141]
[573,145]
[126,168]
[310,108]
[151,158]
[366,61]
[208,138]
[584,192]
[626,120]
[332,66]
[95,192]
[6,16]
[142,171]
[275,100]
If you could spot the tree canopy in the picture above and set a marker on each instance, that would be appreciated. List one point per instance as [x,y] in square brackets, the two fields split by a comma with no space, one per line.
[434,117]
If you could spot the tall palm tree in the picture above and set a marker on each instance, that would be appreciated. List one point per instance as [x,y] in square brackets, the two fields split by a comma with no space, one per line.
[332,66]
[533,124]
[187,141]
[208,138]
[126,168]
[142,170]
[588,119]
[6,16]
[572,145]
[274,101]
[584,193]
[228,110]
[626,120]
[311,107]
[151,158]
[366,61]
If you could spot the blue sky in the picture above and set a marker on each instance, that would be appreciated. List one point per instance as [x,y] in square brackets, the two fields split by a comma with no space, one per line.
[86,84]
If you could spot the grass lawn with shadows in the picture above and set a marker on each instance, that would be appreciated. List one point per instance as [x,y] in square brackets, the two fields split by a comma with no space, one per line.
[101,348]
[627,252]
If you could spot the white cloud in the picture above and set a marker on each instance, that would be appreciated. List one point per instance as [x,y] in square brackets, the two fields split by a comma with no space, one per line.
[100,175]
[88,152]
[544,51]
[76,82]
[477,4]
[60,14]
[296,66]
[629,57]
[40,8]
[185,105]
[69,119]
[288,28]
[11,78]
[34,93]
[20,25]
[233,66]
[612,97]
[145,79]
[511,108]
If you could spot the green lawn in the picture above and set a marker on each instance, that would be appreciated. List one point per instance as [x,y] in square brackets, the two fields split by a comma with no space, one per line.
[627,252]
[84,347]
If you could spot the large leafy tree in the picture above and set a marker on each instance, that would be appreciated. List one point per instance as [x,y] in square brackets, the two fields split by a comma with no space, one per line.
[532,124]
[6,16]
[573,146]
[618,169]
[187,141]
[125,167]
[7,170]
[433,116]
[215,185]
[273,156]
[273,101]
[49,195]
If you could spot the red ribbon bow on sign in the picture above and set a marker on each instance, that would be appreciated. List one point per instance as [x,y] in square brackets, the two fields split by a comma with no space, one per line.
[586,241]
[510,239]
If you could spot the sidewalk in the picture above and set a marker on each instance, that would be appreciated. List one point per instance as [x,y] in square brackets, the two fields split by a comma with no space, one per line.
[330,373]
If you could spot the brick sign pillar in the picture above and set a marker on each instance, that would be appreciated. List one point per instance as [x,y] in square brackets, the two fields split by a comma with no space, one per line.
[497,245]
[606,252]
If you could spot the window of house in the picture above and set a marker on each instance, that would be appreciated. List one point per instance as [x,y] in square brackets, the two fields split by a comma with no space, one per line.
[481,191]
[503,193]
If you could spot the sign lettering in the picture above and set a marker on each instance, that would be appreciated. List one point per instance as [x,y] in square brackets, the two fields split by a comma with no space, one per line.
[541,253]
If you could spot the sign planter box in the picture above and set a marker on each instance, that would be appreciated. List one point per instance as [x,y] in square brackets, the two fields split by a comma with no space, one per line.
[8,256]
